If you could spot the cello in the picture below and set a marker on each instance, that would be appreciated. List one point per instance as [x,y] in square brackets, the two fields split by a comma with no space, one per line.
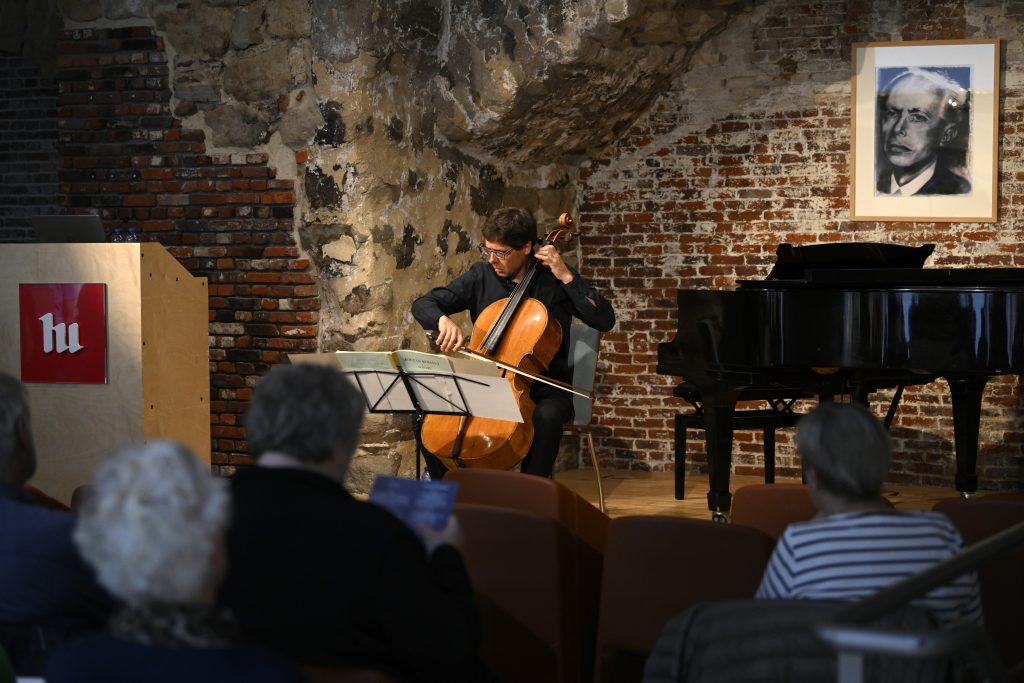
[521,338]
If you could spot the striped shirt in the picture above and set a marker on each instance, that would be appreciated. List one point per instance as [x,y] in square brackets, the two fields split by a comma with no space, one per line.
[851,556]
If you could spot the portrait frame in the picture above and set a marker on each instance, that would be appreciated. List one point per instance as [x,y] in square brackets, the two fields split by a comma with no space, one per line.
[876,159]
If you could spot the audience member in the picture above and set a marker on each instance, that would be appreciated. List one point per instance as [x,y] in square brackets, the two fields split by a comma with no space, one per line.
[325,578]
[42,576]
[153,527]
[857,544]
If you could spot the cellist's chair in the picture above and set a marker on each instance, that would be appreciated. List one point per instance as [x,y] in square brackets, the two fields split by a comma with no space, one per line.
[584,347]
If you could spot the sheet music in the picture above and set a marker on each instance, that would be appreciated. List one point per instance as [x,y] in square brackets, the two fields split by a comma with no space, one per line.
[486,397]
[381,361]
[419,361]
[374,372]
[434,382]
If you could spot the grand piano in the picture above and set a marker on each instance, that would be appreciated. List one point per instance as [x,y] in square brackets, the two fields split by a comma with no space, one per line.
[848,318]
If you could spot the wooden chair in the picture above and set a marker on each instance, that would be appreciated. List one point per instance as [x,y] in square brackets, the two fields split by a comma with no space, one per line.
[655,567]
[584,348]
[779,414]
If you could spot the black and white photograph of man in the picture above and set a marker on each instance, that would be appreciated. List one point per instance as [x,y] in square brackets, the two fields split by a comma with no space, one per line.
[923,131]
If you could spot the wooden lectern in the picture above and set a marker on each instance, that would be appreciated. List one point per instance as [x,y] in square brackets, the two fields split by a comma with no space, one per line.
[157,364]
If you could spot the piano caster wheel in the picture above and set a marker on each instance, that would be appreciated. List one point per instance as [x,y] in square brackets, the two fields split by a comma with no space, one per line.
[719,517]
[967,495]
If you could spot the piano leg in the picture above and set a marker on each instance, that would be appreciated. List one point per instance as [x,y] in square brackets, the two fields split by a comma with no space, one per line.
[966,393]
[719,408]
[680,457]
[769,455]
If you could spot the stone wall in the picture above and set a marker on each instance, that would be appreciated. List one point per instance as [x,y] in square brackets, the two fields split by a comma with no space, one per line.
[379,135]
[751,148]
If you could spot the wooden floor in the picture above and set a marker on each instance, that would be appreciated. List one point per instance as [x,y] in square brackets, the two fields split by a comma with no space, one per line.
[651,493]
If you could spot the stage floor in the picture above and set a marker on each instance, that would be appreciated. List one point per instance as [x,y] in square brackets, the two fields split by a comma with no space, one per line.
[651,493]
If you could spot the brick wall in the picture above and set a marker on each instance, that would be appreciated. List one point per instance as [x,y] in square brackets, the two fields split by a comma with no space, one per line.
[28,147]
[224,216]
[750,150]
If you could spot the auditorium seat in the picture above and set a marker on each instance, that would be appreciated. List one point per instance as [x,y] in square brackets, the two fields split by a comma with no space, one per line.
[587,524]
[545,497]
[1002,577]
[522,570]
[655,567]
[773,507]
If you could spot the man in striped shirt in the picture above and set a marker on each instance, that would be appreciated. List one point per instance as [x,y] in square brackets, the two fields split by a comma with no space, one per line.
[858,544]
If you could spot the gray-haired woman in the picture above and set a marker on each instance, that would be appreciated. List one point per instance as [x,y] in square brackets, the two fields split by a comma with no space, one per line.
[153,528]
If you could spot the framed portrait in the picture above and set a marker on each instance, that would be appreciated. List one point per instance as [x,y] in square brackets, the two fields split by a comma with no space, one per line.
[924,131]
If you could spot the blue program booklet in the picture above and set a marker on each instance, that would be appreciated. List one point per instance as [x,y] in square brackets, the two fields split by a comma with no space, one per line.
[415,501]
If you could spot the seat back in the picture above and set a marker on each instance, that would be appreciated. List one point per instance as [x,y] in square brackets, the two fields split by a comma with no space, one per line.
[773,507]
[584,347]
[587,525]
[542,496]
[654,568]
[521,567]
[1001,578]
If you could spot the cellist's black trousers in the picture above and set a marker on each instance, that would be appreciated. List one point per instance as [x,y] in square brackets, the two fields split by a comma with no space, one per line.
[552,409]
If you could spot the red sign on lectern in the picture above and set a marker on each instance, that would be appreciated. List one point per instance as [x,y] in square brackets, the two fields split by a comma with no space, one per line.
[63,333]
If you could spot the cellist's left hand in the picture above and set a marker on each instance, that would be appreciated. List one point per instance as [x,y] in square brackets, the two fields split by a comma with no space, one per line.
[550,258]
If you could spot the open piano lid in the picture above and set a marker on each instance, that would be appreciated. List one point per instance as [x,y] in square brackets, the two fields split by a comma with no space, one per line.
[793,262]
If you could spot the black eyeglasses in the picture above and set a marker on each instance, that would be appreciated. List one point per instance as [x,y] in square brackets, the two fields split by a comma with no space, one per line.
[500,254]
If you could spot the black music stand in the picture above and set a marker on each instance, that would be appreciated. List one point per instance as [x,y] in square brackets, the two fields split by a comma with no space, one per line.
[432,393]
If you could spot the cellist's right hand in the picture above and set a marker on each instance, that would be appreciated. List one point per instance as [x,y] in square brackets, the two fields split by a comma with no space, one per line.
[449,335]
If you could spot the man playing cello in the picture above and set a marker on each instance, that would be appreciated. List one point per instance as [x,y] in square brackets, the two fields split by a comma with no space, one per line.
[510,236]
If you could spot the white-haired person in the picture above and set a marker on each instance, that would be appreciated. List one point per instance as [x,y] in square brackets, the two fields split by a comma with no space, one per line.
[329,580]
[45,586]
[857,544]
[152,525]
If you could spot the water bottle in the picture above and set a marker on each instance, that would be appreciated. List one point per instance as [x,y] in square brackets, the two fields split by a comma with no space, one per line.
[132,236]
[118,235]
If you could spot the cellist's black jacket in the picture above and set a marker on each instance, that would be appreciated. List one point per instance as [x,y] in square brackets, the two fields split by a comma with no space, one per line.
[480,286]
